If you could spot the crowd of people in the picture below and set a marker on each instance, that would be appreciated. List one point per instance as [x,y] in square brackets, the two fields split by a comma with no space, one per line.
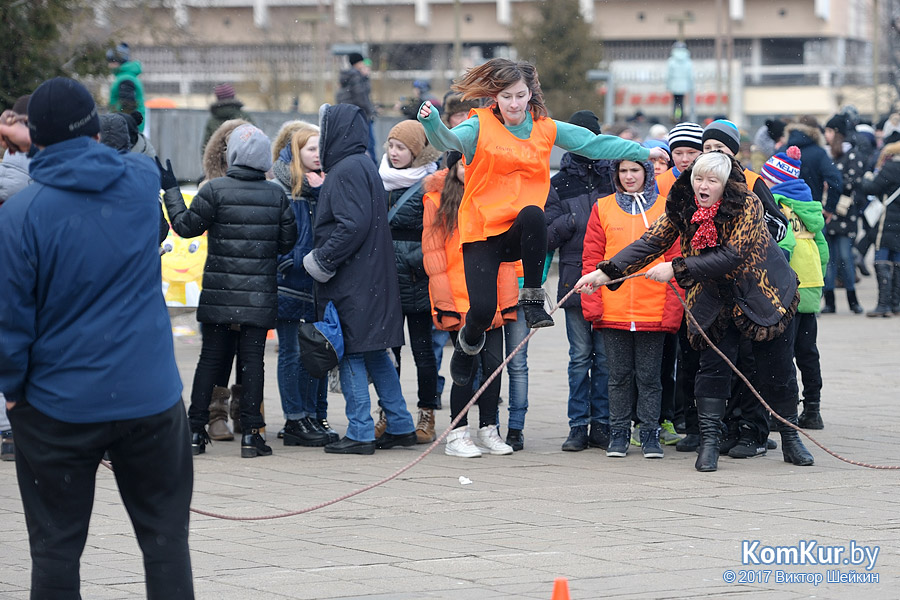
[449,233]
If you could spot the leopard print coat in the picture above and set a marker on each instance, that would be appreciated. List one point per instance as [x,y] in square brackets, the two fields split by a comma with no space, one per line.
[745,279]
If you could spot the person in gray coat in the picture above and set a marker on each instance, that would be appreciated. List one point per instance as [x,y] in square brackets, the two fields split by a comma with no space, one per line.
[353,264]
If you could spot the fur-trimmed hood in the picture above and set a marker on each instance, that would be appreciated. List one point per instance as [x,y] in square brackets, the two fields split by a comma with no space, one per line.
[435,181]
[813,133]
[889,152]
[680,206]
[283,138]
[215,162]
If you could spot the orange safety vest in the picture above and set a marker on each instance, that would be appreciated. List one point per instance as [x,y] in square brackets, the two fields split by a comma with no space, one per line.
[506,175]
[639,304]
[751,178]
[443,263]
[664,182]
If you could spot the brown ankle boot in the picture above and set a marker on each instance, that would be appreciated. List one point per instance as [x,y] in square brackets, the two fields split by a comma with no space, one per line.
[218,415]
[425,427]
[380,424]
[237,392]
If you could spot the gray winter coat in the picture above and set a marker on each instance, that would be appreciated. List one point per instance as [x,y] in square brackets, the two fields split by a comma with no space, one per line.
[353,260]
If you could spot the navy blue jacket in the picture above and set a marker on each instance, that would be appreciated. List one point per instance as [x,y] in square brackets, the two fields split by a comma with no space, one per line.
[85,335]
[295,286]
[816,167]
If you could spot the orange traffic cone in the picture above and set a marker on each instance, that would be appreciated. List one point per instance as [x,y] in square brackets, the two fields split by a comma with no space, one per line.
[560,589]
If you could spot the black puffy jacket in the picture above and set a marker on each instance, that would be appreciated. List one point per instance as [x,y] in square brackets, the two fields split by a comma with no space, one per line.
[406,234]
[250,222]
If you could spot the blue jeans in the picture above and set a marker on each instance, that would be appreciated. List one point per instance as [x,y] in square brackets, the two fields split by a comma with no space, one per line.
[517,369]
[840,248]
[301,395]
[355,372]
[886,254]
[588,372]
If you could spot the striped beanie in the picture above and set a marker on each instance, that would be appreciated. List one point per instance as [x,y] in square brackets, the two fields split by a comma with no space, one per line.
[726,132]
[686,135]
[224,91]
[782,167]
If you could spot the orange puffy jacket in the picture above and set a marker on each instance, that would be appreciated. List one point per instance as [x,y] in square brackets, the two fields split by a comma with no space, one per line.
[639,304]
[446,277]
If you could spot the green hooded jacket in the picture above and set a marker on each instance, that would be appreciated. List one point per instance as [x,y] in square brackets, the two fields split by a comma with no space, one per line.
[128,71]
[807,247]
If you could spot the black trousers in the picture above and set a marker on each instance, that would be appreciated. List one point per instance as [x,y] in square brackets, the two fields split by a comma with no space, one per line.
[56,466]
[216,355]
[490,357]
[526,239]
[806,355]
[419,327]
[775,379]
[685,373]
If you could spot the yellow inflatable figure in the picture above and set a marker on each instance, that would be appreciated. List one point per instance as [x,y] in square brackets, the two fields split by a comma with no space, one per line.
[182,266]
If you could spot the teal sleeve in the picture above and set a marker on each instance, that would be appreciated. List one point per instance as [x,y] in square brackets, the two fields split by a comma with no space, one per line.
[579,140]
[462,138]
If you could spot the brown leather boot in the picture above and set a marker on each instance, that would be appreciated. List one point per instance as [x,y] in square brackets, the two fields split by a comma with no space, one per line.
[237,392]
[425,427]
[380,424]
[218,415]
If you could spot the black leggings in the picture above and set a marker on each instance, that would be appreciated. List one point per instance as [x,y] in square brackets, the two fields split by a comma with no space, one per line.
[489,359]
[526,239]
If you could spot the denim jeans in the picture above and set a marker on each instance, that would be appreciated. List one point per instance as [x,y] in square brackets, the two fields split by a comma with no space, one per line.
[355,372]
[517,369]
[588,372]
[887,254]
[301,395]
[216,354]
[840,248]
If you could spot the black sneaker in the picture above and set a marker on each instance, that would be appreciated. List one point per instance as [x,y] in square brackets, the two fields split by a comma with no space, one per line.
[747,448]
[302,432]
[7,446]
[619,440]
[390,440]
[516,439]
[599,435]
[650,443]
[577,440]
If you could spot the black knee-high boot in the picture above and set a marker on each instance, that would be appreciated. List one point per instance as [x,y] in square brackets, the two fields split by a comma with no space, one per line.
[710,412]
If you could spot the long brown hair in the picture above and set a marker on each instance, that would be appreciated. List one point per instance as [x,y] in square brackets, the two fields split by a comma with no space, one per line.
[837,145]
[451,197]
[298,171]
[496,75]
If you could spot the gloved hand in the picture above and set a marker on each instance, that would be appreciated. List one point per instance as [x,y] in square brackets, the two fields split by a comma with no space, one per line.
[166,175]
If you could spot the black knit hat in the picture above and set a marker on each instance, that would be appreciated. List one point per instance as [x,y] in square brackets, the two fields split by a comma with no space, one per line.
[355,57]
[775,128]
[839,124]
[586,119]
[61,109]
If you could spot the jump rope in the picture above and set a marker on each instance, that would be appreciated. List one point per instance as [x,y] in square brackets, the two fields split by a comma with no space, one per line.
[784,422]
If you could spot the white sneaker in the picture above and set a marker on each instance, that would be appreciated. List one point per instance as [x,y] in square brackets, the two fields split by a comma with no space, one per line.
[489,439]
[460,444]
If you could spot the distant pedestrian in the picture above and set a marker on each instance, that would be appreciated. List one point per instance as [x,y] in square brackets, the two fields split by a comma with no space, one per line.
[127,92]
[225,108]
[356,89]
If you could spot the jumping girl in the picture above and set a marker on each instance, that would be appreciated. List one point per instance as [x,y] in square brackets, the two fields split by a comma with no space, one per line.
[506,147]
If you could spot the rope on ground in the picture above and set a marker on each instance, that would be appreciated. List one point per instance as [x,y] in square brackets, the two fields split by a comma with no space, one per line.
[496,374]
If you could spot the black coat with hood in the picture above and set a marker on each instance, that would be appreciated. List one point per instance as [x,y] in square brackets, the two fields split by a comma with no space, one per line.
[578,185]
[250,222]
[353,260]
[816,168]
[745,278]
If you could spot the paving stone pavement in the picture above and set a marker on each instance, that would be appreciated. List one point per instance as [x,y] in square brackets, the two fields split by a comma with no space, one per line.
[616,528]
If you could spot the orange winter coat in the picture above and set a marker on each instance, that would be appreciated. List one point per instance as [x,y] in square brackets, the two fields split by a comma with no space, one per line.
[506,175]
[639,304]
[446,277]
[664,182]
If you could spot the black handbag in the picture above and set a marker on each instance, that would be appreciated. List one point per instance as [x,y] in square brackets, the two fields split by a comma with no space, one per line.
[321,343]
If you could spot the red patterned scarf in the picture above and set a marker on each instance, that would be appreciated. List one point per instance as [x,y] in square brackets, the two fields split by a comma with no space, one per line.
[706,236]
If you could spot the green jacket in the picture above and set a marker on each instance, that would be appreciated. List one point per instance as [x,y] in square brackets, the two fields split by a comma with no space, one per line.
[807,247]
[128,71]
[221,111]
